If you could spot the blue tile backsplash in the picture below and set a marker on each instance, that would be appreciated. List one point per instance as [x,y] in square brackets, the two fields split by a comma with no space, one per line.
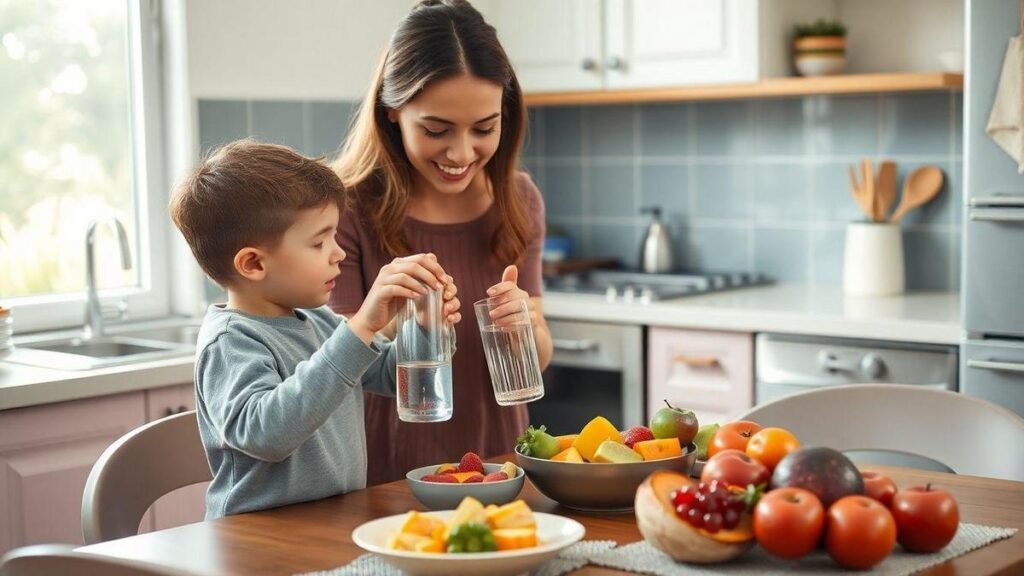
[744,185]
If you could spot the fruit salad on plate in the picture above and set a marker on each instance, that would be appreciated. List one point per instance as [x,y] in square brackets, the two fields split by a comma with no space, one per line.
[473,528]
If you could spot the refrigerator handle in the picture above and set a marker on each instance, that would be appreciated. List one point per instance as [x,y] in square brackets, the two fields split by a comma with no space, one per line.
[1001,366]
[997,214]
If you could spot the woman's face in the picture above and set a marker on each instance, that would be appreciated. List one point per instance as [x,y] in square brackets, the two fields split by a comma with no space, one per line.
[451,130]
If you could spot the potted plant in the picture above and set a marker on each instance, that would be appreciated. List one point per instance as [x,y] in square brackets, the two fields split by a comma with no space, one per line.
[819,48]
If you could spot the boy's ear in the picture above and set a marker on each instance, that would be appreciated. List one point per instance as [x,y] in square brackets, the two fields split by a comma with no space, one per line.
[250,264]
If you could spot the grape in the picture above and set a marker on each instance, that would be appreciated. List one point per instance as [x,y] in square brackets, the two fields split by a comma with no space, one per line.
[712,522]
[709,506]
[730,519]
[695,517]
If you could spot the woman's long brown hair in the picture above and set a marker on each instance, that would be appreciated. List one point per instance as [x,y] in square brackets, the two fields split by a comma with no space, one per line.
[438,39]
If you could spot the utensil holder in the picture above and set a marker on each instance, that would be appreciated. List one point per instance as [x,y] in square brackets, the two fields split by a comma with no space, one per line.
[873,259]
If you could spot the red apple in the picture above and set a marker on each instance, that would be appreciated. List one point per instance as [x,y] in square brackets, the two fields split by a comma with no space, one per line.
[734,467]
[926,518]
[879,487]
[733,436]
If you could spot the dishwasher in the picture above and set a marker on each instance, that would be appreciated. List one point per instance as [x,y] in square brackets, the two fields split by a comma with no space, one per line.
[787,364]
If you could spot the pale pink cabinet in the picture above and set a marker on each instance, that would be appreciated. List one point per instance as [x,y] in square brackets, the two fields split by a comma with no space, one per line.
[46,453]
[708,372]
[185,505]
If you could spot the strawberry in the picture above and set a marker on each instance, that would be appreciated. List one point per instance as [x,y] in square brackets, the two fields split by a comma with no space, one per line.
[441,478]
[473,479]
[495,477]
[637,434]
[471,463]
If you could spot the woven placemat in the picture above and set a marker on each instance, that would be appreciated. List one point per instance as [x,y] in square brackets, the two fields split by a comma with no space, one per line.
[643,558]
[572,558]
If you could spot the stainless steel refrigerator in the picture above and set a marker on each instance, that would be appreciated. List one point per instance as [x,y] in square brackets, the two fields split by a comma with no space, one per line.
[992,358]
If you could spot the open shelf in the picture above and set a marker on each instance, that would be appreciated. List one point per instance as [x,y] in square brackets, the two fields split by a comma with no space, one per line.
[770,88]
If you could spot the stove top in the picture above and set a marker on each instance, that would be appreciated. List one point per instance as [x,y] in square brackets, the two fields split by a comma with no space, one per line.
[633,287]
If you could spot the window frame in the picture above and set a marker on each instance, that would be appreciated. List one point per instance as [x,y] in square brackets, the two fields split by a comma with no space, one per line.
[151,297]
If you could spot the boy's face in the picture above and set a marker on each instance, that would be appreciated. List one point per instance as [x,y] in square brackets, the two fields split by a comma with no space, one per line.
[300,271]
[451,130]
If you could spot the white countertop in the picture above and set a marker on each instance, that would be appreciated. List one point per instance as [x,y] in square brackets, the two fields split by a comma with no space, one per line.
[929,317]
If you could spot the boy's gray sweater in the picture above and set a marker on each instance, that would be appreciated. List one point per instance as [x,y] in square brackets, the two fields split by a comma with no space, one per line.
[280,406]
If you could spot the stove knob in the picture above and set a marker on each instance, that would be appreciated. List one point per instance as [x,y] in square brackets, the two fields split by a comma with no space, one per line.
[628,294]
[610,294]
[872,366]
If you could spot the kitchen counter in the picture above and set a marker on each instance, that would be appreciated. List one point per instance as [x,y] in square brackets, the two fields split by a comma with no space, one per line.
[926,317]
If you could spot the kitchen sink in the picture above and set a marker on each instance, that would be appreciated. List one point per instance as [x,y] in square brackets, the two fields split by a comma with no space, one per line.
[129,345]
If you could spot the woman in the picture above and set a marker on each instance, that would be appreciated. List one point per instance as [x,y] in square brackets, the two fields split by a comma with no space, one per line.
[431,164]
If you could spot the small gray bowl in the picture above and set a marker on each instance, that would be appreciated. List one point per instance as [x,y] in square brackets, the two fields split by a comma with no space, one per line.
[598,487]
[438,496]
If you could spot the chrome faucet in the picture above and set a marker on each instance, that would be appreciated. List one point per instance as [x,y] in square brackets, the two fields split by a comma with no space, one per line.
[93,310]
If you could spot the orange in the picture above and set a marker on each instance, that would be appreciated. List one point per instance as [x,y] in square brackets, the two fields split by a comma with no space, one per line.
[770,445]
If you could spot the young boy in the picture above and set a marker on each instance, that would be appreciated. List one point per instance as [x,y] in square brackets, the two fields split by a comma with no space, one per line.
[279,377]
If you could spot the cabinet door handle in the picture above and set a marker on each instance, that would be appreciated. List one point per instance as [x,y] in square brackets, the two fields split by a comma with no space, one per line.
[616,63]
[568,345]
[997,215]
[990,365]
[695,361]
[182,409]
[589,64]
[169,411]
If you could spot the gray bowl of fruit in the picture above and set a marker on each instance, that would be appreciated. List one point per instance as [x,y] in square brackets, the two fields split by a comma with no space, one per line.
[443,486]
[600,468]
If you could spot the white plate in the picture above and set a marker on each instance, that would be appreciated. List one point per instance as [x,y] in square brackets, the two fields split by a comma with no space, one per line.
[554,532]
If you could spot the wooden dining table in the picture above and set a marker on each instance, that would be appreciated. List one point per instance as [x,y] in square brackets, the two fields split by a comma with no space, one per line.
[318,535]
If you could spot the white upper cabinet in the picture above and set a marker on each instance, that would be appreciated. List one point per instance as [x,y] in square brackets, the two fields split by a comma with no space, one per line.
[555,46]
[651,43]
[612,44]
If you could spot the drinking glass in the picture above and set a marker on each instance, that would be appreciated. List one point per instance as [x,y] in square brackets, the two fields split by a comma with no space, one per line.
[511,353]
[424,345]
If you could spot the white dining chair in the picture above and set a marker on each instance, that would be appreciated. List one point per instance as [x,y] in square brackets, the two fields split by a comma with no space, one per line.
[64,560]
[136,470]
[966,434]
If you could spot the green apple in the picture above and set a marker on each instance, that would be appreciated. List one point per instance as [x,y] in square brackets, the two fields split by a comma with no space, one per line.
[672,422]
[703,439]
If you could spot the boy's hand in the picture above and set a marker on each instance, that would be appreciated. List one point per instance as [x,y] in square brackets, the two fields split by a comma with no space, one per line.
[507,292]
[403,278]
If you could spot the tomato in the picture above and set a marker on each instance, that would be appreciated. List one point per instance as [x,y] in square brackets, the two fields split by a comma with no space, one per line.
[788,522]
[879,487]
[859,532]
[733,435]
[926,518]
[734,468]
[770,445]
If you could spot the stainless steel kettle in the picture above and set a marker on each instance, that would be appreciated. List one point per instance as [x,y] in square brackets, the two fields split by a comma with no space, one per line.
[656,252]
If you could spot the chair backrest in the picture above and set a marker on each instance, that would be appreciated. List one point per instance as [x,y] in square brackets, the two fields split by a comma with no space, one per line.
[138,469]
[967,434]
[61,559]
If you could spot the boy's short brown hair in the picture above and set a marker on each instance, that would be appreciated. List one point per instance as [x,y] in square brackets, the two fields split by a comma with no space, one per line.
[247,193]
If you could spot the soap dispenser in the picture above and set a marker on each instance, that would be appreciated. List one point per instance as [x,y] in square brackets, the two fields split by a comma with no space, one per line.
[656,253]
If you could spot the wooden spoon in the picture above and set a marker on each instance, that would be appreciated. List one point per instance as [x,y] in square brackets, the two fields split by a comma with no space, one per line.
[885,190]
[868,173]
[919,187]
[860,195]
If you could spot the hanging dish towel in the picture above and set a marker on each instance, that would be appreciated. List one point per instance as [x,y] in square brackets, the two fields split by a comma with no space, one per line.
[1006,122]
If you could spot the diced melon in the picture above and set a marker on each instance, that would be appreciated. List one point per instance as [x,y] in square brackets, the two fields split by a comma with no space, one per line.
[463,476]
[418,523]
[430,546]
[658,449]
[611,452]
[469,510]
[565,440]
[515,538]
[593,434]
[405,541]
[512,515]
[570,454]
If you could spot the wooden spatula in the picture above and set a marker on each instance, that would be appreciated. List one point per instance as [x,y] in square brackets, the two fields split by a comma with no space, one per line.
[860,194]
[885,190]
[919,187]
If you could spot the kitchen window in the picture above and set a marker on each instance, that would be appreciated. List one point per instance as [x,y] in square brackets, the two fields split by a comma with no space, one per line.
[81,142]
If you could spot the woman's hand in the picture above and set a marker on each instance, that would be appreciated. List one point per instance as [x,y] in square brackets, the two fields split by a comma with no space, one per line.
[402,279]
[507,294]
[452,305]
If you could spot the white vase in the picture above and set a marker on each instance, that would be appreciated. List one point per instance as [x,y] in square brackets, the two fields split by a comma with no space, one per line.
[873,259]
